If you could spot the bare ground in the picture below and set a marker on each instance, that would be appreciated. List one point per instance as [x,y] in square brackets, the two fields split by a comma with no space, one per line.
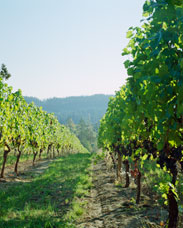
[25,171]
[108,205]
[112,206]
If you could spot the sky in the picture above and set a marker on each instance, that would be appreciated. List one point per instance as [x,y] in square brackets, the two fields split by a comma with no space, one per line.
[61,48]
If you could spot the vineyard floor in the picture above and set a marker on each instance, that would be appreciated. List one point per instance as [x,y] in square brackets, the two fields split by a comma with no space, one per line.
[68,192]
[44,196]
[26,171]
[112,206]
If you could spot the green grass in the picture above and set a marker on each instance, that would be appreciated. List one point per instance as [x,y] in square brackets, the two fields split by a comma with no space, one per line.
[50,200]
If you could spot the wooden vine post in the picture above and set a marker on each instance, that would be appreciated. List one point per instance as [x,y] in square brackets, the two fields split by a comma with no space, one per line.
[5,155]
[127,167]
[119,176]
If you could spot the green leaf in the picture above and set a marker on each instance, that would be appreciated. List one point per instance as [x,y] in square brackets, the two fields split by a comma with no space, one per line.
[160,145]
[129,34]
[145,157]
[127,63]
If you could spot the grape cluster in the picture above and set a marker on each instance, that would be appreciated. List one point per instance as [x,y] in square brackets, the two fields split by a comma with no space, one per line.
[170,160]
[150,147]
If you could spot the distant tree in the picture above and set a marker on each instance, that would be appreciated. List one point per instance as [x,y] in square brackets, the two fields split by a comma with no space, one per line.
[96,126]
[70,124]
[87,135]
[4,74]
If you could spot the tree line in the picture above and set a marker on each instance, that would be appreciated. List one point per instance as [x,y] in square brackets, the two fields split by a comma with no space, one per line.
[88,108]
[86,133]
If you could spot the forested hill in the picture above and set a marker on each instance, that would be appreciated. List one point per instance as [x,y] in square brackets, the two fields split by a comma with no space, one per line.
[86,107]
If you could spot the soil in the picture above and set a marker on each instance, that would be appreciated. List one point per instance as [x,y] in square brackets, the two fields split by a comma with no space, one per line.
[26,171]
[112,206]
[109,205]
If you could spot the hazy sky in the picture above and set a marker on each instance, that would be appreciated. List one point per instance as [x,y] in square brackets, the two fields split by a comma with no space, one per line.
[59,48]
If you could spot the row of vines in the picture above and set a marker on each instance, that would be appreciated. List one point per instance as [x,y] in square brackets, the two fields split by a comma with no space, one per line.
[144,121]
[26,129]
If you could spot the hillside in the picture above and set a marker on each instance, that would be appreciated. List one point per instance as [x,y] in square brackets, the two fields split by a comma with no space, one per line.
[86,107]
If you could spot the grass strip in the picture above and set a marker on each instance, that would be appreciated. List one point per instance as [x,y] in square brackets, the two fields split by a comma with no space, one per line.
[49,200]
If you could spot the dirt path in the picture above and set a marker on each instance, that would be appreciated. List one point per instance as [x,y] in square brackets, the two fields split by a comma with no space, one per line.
[108,205]
[111,206]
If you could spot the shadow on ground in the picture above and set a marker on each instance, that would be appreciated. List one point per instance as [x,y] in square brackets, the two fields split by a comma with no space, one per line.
[44,200]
